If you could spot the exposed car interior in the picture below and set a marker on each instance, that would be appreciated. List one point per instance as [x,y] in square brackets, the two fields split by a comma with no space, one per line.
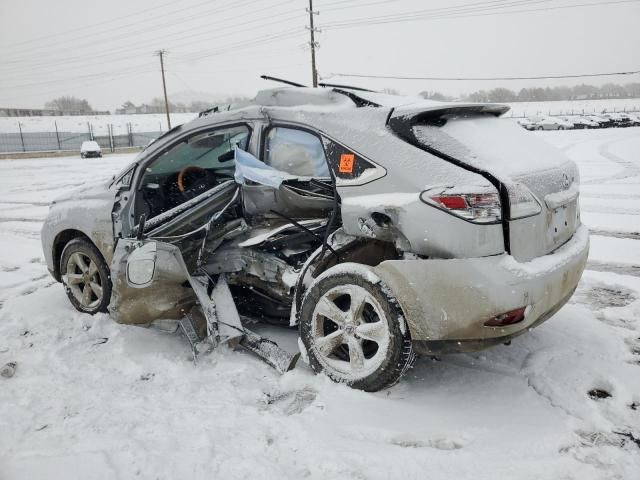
[279,227]
[189,169]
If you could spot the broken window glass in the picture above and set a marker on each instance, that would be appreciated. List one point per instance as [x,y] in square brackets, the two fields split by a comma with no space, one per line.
[297,152]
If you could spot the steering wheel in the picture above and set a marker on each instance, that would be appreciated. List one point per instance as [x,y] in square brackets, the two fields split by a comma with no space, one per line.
[193,180]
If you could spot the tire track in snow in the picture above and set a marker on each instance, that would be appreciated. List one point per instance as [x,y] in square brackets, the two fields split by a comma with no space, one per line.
[611,233]
[619,268]
[629,168]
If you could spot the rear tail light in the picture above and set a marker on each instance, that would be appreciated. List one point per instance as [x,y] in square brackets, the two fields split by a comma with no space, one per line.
[508,318]
[523,203]
[481,206]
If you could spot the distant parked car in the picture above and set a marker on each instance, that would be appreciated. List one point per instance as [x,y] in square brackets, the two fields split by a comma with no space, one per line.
[90,149]
[603,121]
[619,119]
[550,123]
[634,119]
[581,122]
[527,124]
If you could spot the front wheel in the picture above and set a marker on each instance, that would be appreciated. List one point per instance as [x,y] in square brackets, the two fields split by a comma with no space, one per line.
[353,330]
[85,276]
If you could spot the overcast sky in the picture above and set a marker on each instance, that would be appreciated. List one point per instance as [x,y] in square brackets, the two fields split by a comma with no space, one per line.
[104,51]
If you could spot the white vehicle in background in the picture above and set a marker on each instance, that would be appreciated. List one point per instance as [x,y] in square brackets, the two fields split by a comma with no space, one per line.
[527,124]
[90,149]
[550,123]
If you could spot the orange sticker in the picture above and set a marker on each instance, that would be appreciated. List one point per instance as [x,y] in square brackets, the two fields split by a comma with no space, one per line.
[346,163]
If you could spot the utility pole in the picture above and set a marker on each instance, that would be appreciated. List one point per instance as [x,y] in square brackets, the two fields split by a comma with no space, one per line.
[313,44]
[161,54]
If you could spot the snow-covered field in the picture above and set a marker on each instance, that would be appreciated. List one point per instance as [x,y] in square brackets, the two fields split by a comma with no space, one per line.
[151,122]
[154,122]
[566,107]
[93,399]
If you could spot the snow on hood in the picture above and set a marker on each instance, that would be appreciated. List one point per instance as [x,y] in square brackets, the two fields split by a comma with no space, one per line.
[88,190]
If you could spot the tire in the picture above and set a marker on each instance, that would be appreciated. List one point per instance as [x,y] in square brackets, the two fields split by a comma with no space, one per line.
[85,276]
[560,127]
[379,360]
[82,155]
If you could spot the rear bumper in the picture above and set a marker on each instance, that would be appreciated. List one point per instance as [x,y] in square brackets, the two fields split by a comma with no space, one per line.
[91,154]
[448,301]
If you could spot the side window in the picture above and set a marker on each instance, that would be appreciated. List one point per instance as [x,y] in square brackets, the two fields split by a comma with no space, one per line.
[193,166]
[296,152]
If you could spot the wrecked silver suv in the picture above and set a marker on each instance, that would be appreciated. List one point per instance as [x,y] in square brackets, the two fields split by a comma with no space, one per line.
[383,226]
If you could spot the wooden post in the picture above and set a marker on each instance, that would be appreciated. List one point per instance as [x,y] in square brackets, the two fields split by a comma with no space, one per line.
[21,137]
[110,130]
[57,135]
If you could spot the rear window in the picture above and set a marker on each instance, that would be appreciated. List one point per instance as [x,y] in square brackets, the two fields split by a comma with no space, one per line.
[492,144]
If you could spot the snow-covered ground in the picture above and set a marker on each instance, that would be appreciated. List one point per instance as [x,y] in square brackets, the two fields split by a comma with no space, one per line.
[92,399]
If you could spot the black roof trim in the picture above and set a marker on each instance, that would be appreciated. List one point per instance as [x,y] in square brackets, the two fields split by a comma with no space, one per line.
[282,80]
[360,89]
[359,101]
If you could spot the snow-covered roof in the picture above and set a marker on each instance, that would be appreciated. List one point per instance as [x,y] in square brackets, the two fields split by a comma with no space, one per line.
[310,98]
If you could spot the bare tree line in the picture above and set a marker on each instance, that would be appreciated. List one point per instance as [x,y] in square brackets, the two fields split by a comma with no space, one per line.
[539,94]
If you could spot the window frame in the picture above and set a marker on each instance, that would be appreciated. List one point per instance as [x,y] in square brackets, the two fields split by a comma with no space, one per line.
[144,165]
[293,126]
[381,171]
[136,183]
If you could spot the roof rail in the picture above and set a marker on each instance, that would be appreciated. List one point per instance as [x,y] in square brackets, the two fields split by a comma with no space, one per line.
[211,110]
[359,101]
[282,80]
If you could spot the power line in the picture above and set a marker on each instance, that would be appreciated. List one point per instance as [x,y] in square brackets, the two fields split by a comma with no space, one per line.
[146,45]
[544,77]
[417,16]
[49,36]
[139,28]
[436,12]
[228,48]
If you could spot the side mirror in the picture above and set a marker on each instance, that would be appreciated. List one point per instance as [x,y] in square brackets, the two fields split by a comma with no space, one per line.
[141,265]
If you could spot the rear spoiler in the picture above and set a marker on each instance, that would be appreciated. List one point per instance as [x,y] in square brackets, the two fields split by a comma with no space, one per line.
[411,115]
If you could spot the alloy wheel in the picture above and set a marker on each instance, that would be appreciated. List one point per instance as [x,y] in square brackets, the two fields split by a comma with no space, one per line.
[83,280]
[349,331]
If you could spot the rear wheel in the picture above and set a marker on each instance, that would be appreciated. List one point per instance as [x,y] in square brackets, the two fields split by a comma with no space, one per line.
[354,331]
[85,276]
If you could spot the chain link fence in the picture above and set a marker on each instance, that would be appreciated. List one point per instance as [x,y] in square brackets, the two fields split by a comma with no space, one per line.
[22,141]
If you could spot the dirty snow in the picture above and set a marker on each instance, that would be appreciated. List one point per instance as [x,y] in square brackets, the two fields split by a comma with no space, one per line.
[92,399]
